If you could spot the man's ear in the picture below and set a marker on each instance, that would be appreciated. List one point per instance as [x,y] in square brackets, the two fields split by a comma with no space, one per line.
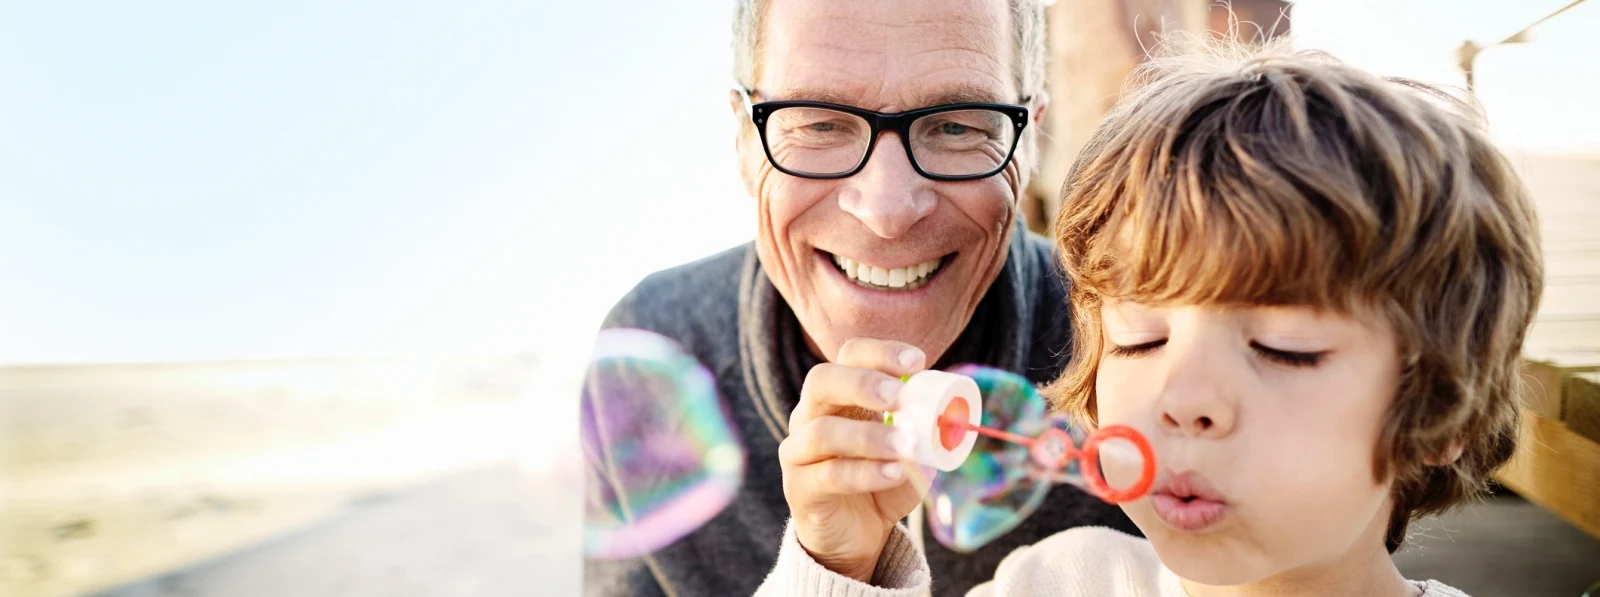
[1041,103]
[1449,454]
[745,142]
[1036,110]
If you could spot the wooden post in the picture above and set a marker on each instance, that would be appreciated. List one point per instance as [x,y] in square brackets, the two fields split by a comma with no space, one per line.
[1094,44]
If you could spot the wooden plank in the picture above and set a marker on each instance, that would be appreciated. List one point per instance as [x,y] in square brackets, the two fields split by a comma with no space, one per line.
[1557,469]
[1542,389]
[1566,332]
[1582,407]
[1570,343]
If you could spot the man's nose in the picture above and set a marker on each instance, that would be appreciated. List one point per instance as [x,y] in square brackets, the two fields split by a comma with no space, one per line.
[1197,399]
[887,194]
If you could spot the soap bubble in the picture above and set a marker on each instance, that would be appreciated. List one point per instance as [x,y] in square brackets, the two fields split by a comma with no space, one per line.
[1003,482]
[998,485]
[662,454]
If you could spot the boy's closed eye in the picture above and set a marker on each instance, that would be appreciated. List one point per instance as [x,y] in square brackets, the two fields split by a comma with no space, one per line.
[1283,357]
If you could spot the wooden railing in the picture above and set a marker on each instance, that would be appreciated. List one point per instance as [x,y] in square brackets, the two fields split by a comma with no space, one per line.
[1558,460]
[1557,464]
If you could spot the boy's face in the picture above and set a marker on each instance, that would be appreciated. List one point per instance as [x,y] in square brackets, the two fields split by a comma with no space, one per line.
[1264,421]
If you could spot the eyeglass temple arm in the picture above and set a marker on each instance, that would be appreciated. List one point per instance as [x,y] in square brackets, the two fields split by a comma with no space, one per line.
[744,95]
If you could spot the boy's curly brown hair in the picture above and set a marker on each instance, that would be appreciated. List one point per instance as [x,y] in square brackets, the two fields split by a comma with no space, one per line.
[1251,176]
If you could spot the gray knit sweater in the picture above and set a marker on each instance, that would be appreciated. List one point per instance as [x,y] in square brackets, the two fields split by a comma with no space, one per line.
[726,312]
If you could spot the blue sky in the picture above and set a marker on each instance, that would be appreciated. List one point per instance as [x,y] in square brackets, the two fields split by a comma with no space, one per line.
[187,180]
[1538,95]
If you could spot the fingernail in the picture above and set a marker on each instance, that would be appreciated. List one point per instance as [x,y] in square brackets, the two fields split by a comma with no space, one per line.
[889,391]
[910,357]
[902,442]
[892,470]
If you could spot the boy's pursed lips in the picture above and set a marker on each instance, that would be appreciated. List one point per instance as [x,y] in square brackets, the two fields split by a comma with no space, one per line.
[1187,502]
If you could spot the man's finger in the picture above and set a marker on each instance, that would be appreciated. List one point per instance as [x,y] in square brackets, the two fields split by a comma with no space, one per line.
[851,476]
[888,356]
[831,389]
[835,437]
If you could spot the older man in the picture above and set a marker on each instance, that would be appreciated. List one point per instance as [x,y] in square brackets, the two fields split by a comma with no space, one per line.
[887,144]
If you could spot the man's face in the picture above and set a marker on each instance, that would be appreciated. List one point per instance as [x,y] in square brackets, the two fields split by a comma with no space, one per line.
[948,239]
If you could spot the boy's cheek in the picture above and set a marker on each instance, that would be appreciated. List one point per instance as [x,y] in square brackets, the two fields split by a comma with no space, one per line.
[1116,398]
[1142,515]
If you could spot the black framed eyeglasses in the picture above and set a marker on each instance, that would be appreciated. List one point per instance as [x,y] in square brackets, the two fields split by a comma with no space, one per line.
[820,140]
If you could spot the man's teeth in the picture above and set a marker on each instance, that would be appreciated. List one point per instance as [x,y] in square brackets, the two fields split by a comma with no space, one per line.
[899,277]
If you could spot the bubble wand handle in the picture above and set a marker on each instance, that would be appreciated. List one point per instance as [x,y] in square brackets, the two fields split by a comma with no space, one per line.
[952,422]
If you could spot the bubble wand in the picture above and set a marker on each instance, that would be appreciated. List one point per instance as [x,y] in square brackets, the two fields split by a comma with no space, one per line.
[944,440]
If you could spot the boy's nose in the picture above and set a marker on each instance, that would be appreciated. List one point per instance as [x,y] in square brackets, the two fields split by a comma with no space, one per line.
[1196,401]
[1196,418]
[888,195]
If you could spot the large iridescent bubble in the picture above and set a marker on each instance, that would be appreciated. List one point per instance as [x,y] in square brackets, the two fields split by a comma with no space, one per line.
[1002,482]
[663,457]
[998,486]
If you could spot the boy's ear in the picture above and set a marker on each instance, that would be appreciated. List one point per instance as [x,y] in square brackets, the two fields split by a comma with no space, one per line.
[1449,454]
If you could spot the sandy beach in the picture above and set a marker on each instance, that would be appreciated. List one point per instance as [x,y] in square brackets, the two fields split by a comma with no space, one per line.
[116,473]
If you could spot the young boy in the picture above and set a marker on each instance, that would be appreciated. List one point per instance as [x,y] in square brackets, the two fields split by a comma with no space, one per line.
[1306,285]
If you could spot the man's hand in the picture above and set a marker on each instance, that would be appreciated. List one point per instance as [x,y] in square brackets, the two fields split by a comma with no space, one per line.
[844,471]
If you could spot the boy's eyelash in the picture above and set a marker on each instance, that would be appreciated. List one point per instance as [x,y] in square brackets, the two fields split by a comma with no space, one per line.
[1284,357]
[1133,350]
[1290,358]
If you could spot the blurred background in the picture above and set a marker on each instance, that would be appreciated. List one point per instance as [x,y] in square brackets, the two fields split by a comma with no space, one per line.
[295,297]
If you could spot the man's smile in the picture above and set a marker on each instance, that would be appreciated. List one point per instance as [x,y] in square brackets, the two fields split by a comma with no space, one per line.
[879,277]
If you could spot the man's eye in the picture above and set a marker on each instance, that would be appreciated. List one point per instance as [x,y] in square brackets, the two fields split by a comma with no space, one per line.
[1288,357]
[1133,350]
[954,129]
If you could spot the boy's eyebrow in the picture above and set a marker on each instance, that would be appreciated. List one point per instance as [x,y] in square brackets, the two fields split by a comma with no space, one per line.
[1117,307]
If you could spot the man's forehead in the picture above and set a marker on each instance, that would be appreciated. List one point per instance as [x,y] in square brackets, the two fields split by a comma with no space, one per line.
[888,55]
[920,97]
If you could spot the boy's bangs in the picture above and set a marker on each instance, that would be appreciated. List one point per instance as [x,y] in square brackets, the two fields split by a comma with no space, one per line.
[1219,244]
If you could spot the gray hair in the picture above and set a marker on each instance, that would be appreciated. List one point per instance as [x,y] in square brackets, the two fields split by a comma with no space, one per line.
[1027,19]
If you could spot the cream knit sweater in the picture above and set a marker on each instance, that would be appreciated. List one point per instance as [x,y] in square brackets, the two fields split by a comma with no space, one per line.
[1086,561]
